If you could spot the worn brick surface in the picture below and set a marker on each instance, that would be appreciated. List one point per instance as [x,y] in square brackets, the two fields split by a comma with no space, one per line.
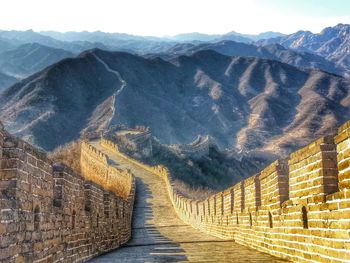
[50,214]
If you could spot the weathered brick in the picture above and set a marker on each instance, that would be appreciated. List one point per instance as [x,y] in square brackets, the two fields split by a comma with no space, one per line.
[33,229]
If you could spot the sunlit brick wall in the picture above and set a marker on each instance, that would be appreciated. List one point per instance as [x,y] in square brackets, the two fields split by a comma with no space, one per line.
[298,209]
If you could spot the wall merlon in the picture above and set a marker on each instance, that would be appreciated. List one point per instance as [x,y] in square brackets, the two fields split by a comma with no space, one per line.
[227,201]
[251,180]
[343,156]
[311,149]
[238,190]
[344,127]
[274,180]
[314,172]
[280,166]
[94,152]
[252,194]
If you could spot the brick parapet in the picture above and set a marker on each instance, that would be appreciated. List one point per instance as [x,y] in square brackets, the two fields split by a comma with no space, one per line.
[271,212]
[274,185]
[48,213]
[95,167]
[313,174]
[343,156]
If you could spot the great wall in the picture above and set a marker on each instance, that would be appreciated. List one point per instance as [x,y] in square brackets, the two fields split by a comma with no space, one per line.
[51,214]
[296,209]
[198,148]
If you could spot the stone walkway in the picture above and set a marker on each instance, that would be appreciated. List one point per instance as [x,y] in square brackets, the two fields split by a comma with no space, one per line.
[160,236]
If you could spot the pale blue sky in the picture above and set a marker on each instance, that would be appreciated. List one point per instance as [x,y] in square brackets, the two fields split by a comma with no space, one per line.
[313,8]
[169,17]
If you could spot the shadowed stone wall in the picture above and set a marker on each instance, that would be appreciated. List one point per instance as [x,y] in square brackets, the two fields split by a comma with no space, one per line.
[48,213]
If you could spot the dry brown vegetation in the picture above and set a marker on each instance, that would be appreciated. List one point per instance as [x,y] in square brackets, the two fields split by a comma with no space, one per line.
[197,193]
[68,154]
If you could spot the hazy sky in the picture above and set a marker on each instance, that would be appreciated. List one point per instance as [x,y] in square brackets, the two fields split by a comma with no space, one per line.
[169,17]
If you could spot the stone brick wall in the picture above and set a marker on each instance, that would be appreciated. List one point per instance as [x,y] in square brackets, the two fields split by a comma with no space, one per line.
[50,214]
[95,167]
[298,209]
[199,147]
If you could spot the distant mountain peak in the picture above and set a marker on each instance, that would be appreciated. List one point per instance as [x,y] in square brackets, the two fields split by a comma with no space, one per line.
[332,43]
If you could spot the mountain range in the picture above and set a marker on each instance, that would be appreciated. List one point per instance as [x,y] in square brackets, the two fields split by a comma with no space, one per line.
[112,38]
[77,42]
[328,50]
[6,81]
[254,105]
[332,43]
[259,98]
[12,39]
[277,52]
[28,59]
[233,36]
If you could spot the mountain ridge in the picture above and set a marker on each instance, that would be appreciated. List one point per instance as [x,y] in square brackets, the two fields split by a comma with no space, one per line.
[28,59]
[332,43]
[258,105]
[271,51]
[6,81]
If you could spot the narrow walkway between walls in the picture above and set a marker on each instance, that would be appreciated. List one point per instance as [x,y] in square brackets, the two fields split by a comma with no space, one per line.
[160,236]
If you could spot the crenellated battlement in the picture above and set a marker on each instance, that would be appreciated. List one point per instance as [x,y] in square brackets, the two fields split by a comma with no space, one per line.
[274,185]
[198,148]
[95,167]
[93,152]
[109,145]
[297,208]
[343,156]
[51,214]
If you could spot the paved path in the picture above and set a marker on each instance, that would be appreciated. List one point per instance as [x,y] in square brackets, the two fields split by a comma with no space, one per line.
[160,236]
